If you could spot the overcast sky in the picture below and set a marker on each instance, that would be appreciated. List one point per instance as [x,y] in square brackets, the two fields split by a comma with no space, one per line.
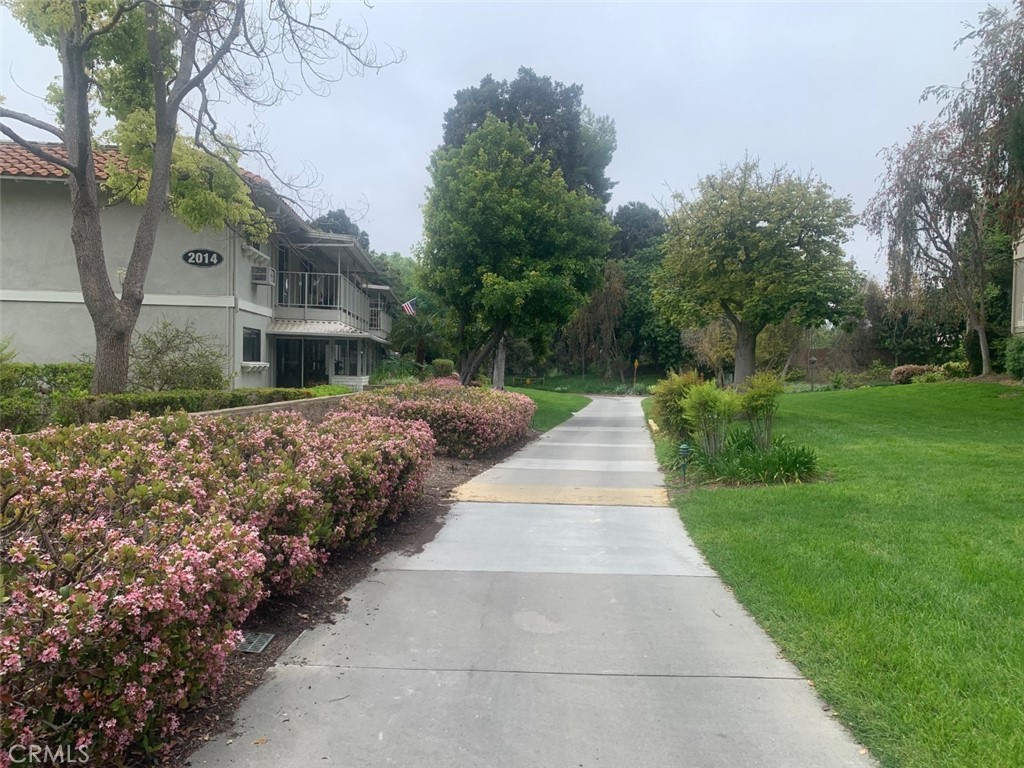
[691,86]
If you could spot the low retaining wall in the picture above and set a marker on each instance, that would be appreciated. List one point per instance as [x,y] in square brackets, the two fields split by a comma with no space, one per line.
[313,408]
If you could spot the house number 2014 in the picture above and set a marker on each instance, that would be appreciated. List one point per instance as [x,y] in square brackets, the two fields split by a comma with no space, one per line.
[202,258]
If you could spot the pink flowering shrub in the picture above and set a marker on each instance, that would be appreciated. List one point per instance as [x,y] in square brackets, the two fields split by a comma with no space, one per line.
[120,592]
[466,422]
[386,459]
[131,550]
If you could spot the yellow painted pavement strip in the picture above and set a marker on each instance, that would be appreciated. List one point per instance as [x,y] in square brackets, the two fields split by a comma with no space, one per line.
[557,494]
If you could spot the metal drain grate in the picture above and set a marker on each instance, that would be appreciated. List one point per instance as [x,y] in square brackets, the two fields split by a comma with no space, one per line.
[255,642]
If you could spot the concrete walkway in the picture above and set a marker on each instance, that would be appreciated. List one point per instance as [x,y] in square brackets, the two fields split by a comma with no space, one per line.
[561,617]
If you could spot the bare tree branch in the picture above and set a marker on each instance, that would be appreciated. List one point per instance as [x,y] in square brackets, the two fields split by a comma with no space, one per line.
[183,87]
[35,122]
[36,150]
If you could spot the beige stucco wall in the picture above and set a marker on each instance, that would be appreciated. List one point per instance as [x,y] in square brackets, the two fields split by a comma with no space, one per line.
[35,222]
[40,295]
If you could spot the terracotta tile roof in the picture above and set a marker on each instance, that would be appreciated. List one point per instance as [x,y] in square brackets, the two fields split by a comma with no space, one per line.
[15,160]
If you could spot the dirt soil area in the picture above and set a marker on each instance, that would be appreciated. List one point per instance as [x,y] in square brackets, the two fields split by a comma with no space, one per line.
[319,601]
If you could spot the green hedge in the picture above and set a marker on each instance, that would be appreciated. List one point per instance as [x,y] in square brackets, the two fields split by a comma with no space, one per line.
[22,411]
[1015,357]
[57,377]
[94,408]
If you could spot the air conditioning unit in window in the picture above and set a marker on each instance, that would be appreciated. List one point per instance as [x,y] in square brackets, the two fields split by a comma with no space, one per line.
[263,276]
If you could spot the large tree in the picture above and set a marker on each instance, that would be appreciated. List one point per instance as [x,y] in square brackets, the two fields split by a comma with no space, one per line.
[931,213]
[147,64]
[551,114]
[508,247]
[638,227]
[985,113]
[756,248]
[338,222]
[594,333]
[956,181]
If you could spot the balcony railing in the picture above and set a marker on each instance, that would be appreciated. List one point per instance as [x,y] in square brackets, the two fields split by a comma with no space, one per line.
[316,290]
[379,320]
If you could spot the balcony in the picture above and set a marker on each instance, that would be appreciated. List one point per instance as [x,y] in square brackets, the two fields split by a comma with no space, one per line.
[322,296]
[380,320]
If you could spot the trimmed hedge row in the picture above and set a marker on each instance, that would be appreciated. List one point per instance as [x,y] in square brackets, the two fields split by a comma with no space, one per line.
[466,421]
[132,549]
[22,411]
[23,407]
[87,409]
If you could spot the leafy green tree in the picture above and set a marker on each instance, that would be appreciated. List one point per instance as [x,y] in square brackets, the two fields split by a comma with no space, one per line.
[639,227]
[508,247]
[338,222]
[148,64]
[920,325]
[755,248]
[577,142]
[400,272]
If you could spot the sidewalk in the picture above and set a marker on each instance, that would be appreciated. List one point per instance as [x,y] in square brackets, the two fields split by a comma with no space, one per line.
[561,617]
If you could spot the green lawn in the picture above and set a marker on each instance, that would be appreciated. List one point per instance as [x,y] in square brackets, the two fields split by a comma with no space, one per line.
[898,584]
[552,407]
[590,385]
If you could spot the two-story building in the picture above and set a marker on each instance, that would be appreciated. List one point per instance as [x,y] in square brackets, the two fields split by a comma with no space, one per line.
[302,309]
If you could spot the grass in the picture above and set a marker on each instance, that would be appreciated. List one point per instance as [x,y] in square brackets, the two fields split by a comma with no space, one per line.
[323,390]
[589,385]
[665,447]
[552,407]
[898,585]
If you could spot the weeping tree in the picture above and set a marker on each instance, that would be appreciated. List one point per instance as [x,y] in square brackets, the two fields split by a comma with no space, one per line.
[149,64]
[985,113]
[932,216]
[956,180]
[595,334]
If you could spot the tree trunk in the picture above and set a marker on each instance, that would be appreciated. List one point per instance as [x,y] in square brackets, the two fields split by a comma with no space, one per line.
[475,359]
[976,323]
[789,362]
[746,348]
[421,352]
[113,317]
[986,356]
[498,376]
[111,372]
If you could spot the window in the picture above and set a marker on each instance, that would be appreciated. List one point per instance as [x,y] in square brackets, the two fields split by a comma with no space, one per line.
[251,345]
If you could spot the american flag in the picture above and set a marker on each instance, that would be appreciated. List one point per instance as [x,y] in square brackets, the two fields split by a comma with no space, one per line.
[409,307]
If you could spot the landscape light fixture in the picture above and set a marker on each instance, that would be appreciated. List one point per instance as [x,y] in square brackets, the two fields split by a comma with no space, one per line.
[684,457]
